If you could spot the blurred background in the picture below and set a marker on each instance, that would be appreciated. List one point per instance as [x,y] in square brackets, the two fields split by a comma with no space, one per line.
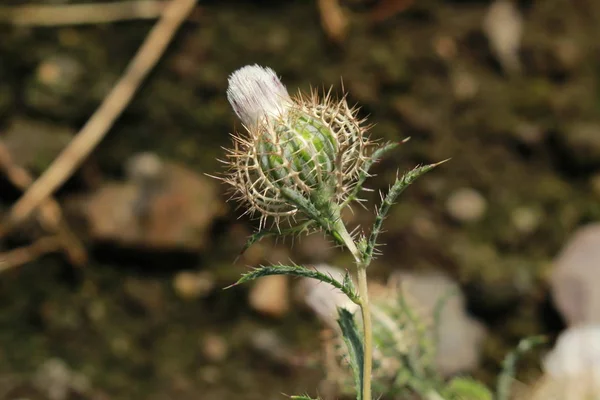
[112,289]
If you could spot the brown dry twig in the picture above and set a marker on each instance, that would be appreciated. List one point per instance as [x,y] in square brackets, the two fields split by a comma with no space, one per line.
[79,14]
[26,254]
[333,20]
[104,117]
[50,214]
[386,9]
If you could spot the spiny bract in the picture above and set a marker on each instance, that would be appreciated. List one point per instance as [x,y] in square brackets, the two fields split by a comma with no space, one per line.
[305,146]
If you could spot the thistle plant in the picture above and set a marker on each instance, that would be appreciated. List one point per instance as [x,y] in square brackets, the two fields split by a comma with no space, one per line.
[301,160]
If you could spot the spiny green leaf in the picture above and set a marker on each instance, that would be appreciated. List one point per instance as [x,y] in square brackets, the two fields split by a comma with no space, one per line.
[275,232]
[466,388]
[303,397]
[355,347]
[509,365]
[364,174]
[346,287]
[395,191]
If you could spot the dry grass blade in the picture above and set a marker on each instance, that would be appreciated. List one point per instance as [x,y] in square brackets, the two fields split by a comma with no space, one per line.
[104,117]
[79,14]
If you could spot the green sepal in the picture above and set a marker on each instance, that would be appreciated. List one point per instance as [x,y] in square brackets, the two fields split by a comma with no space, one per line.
[466,388]
[346,286]
[355,346]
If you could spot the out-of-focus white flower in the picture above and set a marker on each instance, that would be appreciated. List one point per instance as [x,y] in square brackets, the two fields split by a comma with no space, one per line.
[576,352]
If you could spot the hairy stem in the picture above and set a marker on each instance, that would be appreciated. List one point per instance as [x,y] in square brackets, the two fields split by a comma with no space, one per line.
[365,308]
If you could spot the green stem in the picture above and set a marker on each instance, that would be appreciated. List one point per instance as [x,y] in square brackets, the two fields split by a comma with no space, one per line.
[365,308]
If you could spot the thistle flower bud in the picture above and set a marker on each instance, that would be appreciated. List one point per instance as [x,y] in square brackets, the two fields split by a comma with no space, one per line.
[298,153]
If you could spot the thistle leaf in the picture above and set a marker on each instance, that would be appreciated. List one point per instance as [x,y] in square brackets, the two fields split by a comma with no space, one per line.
[346,286]
[303,397]
[256,237]
[509,365]
[355,347]
[375,157]
[389,199]
[465,388]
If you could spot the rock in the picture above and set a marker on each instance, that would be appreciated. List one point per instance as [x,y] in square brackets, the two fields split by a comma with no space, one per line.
[503,26]
[464,85]
[567,55]
[214,348]
[575,277]
[529,134]
[174,212]
[460,337]
[56,380]
[572,368]
[270,296]
[581,143]
[466,205]
[526,220]
[35,144]
[55,85]
[445,47]
[193,285]
[322,298]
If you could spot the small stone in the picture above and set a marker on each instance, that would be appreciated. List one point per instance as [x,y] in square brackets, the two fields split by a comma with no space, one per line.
[214,348]
[464,85]
[424,227]
[466,205]
[270,296]
[193,285]
[55,86]
[175,214]
[503,25]
[529,134]
[575,277]
[568,54]
[56,380]
[460,336]
[445,47]
[525,219]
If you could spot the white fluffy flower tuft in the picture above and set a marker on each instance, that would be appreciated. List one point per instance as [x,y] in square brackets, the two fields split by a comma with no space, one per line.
[576,352]
[256,93]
